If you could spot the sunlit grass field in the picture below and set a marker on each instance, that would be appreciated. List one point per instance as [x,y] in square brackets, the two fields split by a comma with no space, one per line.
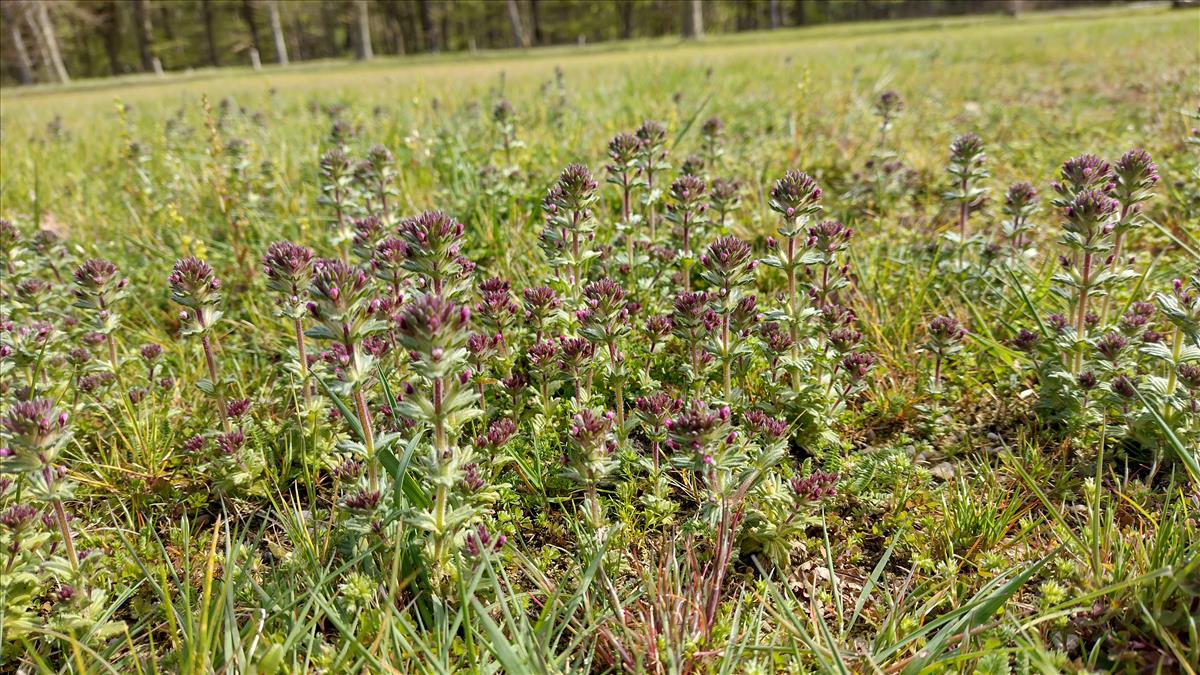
[948,509]
[1042,87]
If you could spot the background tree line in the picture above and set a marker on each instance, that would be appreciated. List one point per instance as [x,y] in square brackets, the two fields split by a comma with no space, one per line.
[54,40]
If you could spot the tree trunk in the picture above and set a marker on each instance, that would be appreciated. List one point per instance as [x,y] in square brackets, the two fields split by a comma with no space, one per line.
[747,16]
[210,37]
[625,8]
[799,13]
[51,37]
[395,24]
[24,66]
[693,19]
[165,20]
[329,27]
[776,15]
[363,41]
[144,30]
[536,15]
[248,17]
[39,40]
[110,29]
[83,46]
[281,54]
[429,28]
[299,46]
[514,22]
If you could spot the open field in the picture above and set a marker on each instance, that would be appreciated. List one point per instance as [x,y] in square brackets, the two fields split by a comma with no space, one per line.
[789,380]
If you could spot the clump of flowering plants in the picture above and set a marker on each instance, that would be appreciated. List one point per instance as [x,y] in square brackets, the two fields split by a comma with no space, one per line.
[821,350]
[504,116]
[782,508]
[945,335]
[337,178]
[569,226]
[590,460]
[1096,363]
[1084,278]
[651,161]
[796,198]
[289,270]
[378,176]
[712,134]
[731,467]
[435,331]
[623,154]
[967,172]
[344,316]
[1020,206]
[604,320]
[433,253]
[728,267]
[98,287]
[36,532]
[196,288]
[688,212]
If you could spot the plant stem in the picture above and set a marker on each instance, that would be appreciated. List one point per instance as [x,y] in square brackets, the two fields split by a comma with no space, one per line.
[618,388]
[1081,311]
[937,372]
[574,269]
[441,492]
[112,351]
[299,330]
[651,218]
[60,514]
[341,220]
[1176,350]
[963,212]
[793,311]
[687,253]
[625,221]
[211,362]
[1116,265]
[726,357]
[593,500]
[1097,567]
[364,420]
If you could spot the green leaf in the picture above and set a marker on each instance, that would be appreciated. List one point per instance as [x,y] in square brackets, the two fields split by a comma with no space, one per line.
[351,418]
[497,644]
[1187,457]
[405,485]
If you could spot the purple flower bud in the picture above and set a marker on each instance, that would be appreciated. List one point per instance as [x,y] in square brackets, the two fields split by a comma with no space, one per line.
[796,193]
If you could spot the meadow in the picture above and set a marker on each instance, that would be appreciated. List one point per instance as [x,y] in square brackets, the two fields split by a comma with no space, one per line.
[861,348]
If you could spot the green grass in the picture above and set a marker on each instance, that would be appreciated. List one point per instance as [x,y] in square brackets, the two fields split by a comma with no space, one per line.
[971,532]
